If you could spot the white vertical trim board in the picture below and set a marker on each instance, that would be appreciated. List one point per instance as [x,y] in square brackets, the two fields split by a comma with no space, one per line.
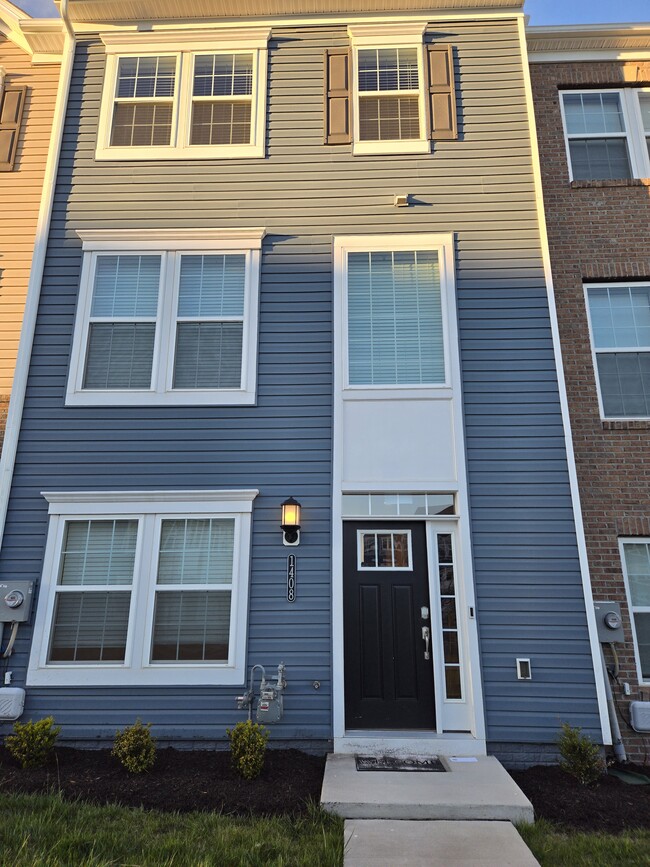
[23,360]
[564,404]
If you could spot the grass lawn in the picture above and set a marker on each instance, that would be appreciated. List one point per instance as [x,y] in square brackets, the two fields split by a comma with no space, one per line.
[50,832]
[555,848]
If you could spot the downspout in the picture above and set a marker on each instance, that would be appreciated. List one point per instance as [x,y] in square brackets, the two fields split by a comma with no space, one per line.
[19,387]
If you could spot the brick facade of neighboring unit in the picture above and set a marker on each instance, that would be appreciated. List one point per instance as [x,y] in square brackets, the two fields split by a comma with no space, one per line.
[598,231]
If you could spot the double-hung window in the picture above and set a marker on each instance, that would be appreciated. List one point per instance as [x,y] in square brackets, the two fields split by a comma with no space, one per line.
[635,554]
[399,93]
[619,319]
[607,133]
[144,588]
[172,96]
[394,312]
[167,318]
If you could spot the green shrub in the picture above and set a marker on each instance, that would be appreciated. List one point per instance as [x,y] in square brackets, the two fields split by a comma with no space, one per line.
[32,743]
[135,747]
[247,748]
[580,756]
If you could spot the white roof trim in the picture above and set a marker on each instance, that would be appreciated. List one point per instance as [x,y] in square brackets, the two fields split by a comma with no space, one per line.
[576,39]
[133,497]
[120,42]
[36,36]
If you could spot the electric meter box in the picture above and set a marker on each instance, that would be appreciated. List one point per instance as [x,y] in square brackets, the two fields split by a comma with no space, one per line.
[15,601]
[12,702]
[640,715]
[609,622]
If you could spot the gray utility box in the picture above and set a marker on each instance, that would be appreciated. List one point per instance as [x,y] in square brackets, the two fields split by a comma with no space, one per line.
[609,622]
[15,601]
[640,715]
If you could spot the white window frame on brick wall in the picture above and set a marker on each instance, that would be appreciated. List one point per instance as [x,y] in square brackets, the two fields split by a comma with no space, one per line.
[611,349]
[634,133]
[149,509]
[378,37]
[185,46]
[632,540]
[170,245]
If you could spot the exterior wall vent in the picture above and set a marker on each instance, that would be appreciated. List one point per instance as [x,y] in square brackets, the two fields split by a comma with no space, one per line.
[12,702]
[640,714]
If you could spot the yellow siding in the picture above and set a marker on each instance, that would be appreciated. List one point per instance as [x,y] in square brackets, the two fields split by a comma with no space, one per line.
[20,195]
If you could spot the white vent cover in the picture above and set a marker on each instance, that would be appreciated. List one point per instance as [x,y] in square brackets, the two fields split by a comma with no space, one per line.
[12,702]
[640,713]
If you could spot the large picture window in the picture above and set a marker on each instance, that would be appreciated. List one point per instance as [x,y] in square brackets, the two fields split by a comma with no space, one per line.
[175,324]
[138,589]
[170,96]
[619,319]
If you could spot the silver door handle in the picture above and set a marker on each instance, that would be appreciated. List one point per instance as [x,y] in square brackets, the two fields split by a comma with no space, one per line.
[426,635]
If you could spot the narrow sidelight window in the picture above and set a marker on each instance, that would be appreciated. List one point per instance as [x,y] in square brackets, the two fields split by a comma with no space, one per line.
[636,565]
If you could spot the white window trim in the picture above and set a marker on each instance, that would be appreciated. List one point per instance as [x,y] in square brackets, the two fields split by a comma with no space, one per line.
[393,36]
[634,132]
[383,531]
[617,349]
[185,45]
[149,508]
[169,243]
[443,245]
[642,609]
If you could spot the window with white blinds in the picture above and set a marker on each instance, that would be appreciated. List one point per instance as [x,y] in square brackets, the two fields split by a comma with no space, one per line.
[184,98]
[137,590]
[173,326]
[394,318]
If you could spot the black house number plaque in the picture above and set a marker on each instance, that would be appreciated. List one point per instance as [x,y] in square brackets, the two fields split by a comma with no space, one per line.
[291,578]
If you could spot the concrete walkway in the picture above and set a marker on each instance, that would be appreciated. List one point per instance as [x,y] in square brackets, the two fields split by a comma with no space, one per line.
[459,817]
[382,843]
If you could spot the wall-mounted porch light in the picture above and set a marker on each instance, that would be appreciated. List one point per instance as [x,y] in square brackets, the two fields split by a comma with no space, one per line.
[290,522]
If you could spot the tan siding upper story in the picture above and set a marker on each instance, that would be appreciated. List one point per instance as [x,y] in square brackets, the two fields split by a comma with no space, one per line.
[20,195]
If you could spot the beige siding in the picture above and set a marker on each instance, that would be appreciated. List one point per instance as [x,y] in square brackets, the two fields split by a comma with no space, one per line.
[20,195]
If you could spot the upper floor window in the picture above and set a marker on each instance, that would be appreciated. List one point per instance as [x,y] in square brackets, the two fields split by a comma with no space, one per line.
[173,98]
[395,311]
[607,133]
[167,318]
[391,93]
[619,318]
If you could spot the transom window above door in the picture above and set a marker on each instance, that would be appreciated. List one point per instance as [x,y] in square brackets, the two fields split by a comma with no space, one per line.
[167,322]
[395,312]
[175,96]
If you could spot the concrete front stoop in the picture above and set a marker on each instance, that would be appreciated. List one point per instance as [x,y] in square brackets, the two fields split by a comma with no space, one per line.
[460,817]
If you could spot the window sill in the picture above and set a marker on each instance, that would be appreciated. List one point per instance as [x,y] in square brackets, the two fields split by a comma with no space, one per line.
[170,398]
[386,148]
[225,152]
[610,182]
[626,424]
[168,675]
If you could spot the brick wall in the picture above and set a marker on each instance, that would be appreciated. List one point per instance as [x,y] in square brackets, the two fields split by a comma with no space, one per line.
[598,230]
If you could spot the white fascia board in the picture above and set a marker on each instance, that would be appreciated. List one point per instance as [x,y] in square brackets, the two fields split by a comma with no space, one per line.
[164,239]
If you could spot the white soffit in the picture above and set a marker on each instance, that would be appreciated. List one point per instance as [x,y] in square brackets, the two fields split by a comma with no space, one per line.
[598,37]
[36,36]
[113,11]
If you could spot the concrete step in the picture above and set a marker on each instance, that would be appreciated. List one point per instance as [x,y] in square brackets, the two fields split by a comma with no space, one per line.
[466,791]
[384,843]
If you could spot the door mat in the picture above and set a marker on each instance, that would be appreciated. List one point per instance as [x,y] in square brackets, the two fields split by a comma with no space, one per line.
[389,763]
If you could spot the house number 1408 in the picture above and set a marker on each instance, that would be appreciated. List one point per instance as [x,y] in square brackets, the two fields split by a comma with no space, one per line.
[291,578]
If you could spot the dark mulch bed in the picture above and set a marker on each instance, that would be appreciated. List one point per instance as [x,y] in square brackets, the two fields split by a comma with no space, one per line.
[181,780]
[611,806]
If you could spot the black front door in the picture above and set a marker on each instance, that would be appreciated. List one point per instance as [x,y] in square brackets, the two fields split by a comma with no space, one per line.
[388,668]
